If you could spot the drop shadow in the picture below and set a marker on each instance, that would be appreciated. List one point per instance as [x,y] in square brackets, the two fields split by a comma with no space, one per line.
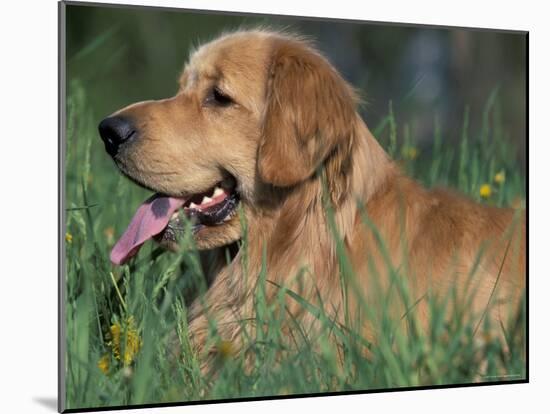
[48,402]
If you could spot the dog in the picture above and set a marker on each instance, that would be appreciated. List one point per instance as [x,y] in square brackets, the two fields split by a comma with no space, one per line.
[264,129]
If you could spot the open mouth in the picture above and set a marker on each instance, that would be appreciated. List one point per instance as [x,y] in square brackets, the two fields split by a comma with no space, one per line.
[160,217]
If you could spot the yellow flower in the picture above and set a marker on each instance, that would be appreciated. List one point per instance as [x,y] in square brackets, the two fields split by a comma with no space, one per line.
[500,177]
[125,341]
[485,191]
[68,237]
[104,363]
[409,153]
[226,349]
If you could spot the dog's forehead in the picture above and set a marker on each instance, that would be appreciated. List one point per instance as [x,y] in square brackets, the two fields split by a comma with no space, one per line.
[226,56]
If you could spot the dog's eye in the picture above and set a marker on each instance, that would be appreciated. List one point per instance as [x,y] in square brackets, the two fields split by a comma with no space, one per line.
[218,98]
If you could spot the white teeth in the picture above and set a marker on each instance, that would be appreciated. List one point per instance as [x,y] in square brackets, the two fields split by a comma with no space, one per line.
[193,205]
[174,216]
[218,192]
[206,200]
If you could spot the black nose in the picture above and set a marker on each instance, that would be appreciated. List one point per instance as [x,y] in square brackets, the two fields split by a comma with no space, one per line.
[114,131]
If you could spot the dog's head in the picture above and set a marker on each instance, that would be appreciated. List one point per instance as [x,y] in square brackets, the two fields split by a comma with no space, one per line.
[255,112]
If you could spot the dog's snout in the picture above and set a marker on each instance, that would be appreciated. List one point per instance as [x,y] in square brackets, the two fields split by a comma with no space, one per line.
[114,131]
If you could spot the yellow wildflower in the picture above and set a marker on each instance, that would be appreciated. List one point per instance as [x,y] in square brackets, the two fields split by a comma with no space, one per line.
[125,341]
[68,237]
[409,153]
[500,177]
[226,349]
[485,191]
[104,363]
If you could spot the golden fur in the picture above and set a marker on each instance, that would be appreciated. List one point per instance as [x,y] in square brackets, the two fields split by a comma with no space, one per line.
[293,126]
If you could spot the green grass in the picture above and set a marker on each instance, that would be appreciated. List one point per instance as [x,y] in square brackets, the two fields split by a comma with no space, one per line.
[146,300]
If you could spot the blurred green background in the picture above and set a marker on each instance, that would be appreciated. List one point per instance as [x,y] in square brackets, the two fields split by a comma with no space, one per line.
[124,55]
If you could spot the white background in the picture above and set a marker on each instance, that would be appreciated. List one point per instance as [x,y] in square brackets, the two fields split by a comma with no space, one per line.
[28,211]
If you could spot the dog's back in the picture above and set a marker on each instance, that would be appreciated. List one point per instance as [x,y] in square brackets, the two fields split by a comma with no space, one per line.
[443,244]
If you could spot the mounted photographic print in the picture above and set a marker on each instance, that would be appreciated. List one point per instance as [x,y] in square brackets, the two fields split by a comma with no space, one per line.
[260,207]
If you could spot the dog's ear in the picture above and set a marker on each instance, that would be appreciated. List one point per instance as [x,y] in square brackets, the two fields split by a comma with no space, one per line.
[310,110]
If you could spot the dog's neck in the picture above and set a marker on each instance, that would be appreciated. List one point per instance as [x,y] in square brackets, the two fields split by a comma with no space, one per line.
[298,235]
[295,239]
[371,170]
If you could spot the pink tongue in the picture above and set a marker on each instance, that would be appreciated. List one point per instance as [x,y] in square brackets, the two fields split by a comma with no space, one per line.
[150,219]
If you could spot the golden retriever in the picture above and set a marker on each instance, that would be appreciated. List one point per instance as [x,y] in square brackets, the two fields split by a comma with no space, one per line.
[262,124]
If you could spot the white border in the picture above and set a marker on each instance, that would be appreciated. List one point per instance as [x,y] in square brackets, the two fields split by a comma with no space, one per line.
[29,202]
